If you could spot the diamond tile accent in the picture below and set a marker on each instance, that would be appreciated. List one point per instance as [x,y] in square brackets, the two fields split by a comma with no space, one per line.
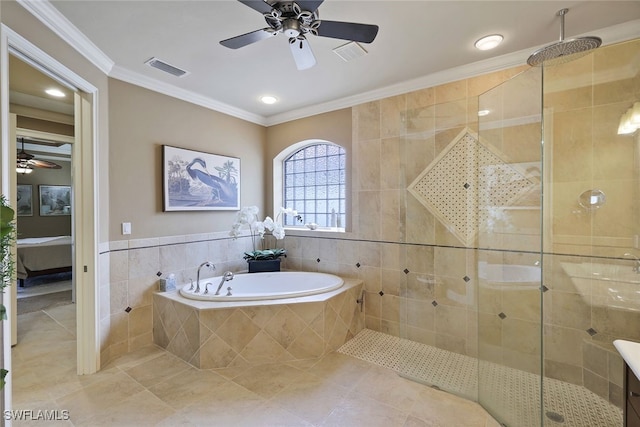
[460,208]
[544,288]
[238,330]
[381,293]
[128,309]
[466,279]
[318,260]
[592,331]
[502,315]
[358,264]
[259,334]
[434,303]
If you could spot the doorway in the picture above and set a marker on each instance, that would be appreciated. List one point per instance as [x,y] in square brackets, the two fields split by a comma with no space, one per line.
[84,197]
[44,116]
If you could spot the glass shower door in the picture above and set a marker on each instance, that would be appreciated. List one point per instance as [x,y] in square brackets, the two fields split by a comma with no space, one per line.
[509,251]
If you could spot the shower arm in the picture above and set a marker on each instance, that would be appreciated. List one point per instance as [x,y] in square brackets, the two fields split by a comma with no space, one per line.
[561,14]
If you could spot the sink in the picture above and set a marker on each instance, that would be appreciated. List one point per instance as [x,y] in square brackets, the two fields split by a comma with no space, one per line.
[509,276]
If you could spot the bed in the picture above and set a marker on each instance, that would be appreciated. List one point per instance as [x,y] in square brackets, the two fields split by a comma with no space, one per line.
[38,256]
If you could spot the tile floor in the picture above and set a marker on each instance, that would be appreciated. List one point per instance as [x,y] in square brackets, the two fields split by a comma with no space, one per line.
[151,387]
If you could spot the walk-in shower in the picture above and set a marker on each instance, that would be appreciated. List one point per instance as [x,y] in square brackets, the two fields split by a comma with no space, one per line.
[527,288]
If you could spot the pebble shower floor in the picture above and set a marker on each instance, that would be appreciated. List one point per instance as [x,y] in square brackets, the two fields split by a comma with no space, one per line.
[515,393]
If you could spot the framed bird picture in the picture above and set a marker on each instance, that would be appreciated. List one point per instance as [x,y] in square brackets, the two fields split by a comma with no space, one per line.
[197,181]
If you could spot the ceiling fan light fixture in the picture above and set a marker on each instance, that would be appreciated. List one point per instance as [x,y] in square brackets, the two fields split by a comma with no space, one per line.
[488,42]
[23,169]
[268,99]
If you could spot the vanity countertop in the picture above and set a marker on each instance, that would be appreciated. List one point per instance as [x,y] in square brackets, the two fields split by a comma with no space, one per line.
[630,352]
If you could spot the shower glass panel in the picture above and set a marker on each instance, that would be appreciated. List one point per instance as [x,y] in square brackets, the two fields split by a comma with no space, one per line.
[517,232]
[508,177]
[545,353]
[591,211]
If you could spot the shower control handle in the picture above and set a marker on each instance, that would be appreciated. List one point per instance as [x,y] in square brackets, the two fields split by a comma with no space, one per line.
[634,394]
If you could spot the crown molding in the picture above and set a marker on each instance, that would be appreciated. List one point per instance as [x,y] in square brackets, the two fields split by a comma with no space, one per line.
[54,20]
[168,89]
[63,28]
[614,34]
[430,80]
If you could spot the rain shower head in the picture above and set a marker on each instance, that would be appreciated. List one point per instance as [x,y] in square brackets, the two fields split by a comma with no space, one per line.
[564,50]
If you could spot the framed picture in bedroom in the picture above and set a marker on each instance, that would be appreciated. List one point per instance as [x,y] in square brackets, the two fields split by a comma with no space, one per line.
[25,200]
[198,181]
[55,200]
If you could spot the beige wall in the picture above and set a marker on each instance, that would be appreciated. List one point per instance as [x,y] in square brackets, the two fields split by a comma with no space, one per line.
[19,20]
[141,121]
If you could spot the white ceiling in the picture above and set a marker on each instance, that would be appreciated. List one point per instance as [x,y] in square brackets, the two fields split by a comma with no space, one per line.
[420,43]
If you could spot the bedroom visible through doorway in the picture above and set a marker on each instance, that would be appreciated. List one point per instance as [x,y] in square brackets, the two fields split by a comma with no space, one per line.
[43,112]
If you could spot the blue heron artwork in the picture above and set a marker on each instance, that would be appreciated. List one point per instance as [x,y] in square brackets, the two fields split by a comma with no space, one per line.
[194,180]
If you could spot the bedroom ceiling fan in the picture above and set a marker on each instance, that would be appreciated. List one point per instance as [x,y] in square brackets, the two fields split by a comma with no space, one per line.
[26,162]
[296,19]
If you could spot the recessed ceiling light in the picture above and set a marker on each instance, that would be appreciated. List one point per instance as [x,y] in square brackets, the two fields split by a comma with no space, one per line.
[482,113]
[55,92]
[268,99]
[488,42]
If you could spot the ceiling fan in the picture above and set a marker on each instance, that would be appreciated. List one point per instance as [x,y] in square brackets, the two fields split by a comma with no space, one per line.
[296,19]
[27,161]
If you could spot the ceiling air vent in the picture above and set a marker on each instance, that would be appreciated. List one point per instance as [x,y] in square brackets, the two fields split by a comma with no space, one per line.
[167,68]
[350,51]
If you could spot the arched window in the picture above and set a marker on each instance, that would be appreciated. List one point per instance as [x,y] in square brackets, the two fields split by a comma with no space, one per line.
[314,184]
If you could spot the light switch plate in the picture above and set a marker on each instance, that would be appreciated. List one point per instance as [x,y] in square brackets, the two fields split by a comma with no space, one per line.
[126,228]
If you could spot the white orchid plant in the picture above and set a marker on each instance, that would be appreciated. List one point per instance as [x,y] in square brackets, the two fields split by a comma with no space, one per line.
[247,217]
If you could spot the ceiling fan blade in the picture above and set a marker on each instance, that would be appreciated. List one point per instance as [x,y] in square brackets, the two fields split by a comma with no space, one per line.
[246,39]
[302,53]
[364,33]
[309,5]
[258,5]
[43,164]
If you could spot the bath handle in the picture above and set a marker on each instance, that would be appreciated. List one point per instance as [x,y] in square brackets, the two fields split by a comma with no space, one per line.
[191,287]
[633,394]
[229,291]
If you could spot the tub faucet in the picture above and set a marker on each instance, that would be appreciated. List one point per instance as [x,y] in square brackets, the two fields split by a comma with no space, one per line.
[636,267]
[204,264]
[225,278]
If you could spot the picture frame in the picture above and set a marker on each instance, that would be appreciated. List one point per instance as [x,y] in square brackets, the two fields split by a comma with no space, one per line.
[198,181]
[24,206]
[55,200]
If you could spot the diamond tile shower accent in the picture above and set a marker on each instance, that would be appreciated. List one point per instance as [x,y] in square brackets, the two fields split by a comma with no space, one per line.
[466,183]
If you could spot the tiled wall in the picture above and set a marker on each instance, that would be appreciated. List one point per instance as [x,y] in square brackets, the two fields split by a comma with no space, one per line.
[133,267]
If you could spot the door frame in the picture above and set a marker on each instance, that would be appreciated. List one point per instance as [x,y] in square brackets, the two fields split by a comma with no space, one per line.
[84,184]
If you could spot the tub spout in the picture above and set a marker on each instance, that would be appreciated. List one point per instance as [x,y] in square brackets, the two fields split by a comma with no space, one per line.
[206,287]
[636,267]
[204,264]
[225,278]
